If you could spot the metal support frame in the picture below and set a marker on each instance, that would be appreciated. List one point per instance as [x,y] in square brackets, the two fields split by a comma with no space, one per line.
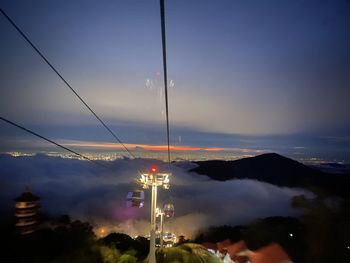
[160,213]
[154,180]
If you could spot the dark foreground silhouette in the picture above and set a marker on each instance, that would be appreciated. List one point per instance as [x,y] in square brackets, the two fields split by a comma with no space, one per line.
[278,170]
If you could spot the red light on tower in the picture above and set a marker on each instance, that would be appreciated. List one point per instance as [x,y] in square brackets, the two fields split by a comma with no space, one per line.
[154,169]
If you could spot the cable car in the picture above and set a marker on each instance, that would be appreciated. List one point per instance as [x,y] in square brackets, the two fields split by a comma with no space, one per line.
[169,210]
[135,198]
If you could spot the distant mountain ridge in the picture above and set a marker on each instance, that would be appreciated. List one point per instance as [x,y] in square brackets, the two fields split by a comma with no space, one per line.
[275,169]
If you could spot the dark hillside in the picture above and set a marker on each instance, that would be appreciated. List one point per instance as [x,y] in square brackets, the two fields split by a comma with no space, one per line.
[275,169]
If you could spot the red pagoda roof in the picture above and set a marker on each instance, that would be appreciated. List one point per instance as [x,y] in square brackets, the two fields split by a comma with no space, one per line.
[272,253]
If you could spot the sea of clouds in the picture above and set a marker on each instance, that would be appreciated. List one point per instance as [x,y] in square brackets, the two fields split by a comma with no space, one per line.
[96,194]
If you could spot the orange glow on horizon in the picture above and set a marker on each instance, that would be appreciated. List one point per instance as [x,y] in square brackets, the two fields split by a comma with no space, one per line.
[144,147]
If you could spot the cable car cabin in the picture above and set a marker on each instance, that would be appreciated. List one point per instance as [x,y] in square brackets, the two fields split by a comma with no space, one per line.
[169,210]
[135,199]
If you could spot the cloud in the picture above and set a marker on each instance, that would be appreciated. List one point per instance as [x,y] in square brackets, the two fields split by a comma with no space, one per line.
[96,194]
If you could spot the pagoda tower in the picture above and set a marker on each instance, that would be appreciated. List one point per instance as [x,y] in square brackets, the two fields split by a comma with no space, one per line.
[27,212]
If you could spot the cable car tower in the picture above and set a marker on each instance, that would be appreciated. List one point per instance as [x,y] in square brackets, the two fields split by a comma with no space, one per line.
[160,213]
[153,180]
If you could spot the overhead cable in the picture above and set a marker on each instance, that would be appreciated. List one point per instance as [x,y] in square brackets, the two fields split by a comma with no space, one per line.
[50,141]
[162,17]
[64,80]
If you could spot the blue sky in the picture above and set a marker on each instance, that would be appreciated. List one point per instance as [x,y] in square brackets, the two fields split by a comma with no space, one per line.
[274,72]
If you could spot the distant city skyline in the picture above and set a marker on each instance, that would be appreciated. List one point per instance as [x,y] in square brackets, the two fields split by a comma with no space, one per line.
[262,76]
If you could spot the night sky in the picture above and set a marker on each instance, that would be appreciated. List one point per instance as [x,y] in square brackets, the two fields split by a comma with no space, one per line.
[270,75]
